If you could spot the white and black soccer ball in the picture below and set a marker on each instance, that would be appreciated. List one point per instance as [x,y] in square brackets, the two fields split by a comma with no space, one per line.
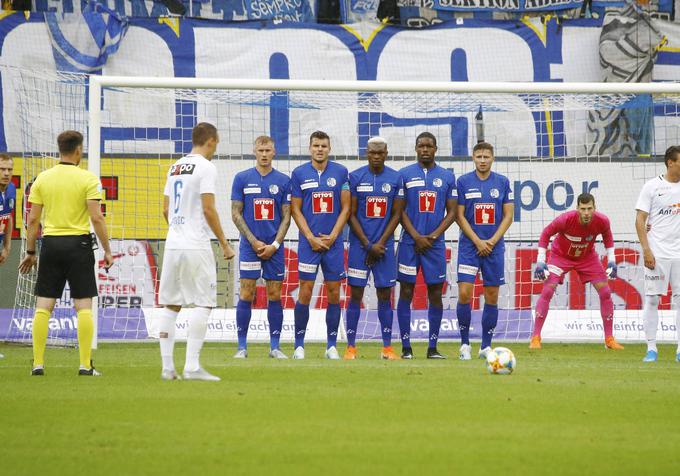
[501,361]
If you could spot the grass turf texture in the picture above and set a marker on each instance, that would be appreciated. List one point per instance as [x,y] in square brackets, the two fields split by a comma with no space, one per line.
[568,409]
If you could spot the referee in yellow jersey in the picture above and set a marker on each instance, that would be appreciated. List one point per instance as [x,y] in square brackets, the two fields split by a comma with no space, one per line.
[67,197]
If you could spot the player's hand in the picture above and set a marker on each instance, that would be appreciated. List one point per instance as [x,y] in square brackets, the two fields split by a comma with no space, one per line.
[258,245]
[541,271]
[27,263]
[328,240]
[611,270]
[318,245]
[3,255]
[375,253]
[648,256]
[227,251]
[484,247]
[266,252]
[423,243]
[108,260]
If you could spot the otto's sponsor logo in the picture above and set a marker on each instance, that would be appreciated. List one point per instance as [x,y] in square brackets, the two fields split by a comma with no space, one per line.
[322,202]
[427,201]
[263,209]
[577,250]
[485,214]
[376,207]
[182,169]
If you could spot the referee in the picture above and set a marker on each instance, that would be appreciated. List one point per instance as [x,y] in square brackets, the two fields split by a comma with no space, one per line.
[67,197]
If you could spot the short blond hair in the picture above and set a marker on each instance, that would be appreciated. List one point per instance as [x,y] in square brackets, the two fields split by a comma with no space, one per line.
[263,140]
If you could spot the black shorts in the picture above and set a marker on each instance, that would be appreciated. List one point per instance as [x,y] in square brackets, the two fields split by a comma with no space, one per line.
[66,258]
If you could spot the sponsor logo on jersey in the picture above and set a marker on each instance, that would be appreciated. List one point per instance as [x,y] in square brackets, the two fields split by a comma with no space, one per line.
[182,169]
[386,188]
[415,182]
[357,273]
[467,269]
[365,188]
[572,237]
[577,250]
[308,185]
[250,190]
[426,201]
[250,266]
[330,181]
[376,207]
[263,208]
[471,195]
[672,209]
[485,214]
[322,202]
[494,193]
[273,189]
[437,182]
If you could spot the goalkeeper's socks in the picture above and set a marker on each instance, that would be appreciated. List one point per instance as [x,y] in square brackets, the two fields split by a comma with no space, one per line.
[40,324]
[301,314]
[198,326]
[167,323]
[464,314]
[385,317]
[434,318]
[542,308]
[489,321]
[243,314]
[606,310]
[353,313]
[332,324]
[404,318]
[275,318]
[85,331]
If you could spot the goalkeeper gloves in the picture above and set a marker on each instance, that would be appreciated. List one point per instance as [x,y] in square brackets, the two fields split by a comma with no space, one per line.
[611,270]
[541,271]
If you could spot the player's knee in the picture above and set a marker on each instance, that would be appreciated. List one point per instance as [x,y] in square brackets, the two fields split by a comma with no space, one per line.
[357,293]
[333,293]
[434,295]
[548,291]
[274,290]
[406,292]
[384,294]
[605,293]
[652,302]
[464,294]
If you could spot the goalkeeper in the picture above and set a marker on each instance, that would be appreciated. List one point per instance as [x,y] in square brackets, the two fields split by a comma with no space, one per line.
[573,249]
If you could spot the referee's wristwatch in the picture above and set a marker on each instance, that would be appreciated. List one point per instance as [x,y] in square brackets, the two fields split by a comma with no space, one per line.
[30,252]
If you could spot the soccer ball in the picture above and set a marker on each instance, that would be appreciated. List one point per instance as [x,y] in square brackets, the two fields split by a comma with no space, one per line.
[501,361]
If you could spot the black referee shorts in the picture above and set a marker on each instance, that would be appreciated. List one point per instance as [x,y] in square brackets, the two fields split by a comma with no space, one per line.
[66,258]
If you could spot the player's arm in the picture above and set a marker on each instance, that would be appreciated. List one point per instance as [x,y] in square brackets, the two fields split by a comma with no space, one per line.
[482,246]
[166,208]
[541,271]
[213,220]
[32,228]
[354,222]
[94,209]
[345,206]
[269,250]
[422,243]
[242,226]
[296,212]
[641,228]
[7,241]
[449,219]
[508,213]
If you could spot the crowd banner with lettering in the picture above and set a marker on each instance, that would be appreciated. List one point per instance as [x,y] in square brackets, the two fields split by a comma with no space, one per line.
[506,5]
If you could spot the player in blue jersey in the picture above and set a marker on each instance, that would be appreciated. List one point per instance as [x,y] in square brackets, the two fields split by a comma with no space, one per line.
[430,192]
[260,209]
[377,203]
[320,205]
[485,211]
[8,194]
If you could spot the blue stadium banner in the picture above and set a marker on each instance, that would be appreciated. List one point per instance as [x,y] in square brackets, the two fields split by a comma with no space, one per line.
[506,5]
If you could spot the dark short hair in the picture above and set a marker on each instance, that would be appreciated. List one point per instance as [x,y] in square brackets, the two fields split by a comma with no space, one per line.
[482,146]
[585,198]
[202,133]
[671,154]
[69,141]
[321,135]
[426,135]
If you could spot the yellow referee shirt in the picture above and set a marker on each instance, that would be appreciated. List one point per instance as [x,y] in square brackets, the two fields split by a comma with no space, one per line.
[63,192]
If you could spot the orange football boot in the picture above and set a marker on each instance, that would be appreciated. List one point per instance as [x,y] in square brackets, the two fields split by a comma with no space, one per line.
[535,342]
[610,343]
[350,353]
[387,353]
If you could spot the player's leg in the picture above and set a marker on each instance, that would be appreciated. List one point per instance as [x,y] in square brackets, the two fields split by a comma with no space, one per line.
[607,314]
[248,288]
[357,278]
[656,285]
[273,271]
[41,320]
[333,267]
[493,275]
[170,297]
[557,268]
[308,264]
[674,276]
[468,267]
[408,263]
[384,278]
[434,271]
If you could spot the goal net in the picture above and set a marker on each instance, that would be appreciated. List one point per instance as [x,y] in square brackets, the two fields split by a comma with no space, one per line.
[553,141]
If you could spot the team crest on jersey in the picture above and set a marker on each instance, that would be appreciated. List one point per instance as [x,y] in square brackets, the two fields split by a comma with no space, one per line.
[485,214]
[376,207]
[263,209]
[273,189]
[494,193]
[182,169]
[322,202]
[437,182]
[426,201]
[386,188]
[331,182]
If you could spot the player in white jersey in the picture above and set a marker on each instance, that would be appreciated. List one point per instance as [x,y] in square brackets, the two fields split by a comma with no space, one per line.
[188,275]
[659,207]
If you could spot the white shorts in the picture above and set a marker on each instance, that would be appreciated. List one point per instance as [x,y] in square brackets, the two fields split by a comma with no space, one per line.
[188,277]
[656,280]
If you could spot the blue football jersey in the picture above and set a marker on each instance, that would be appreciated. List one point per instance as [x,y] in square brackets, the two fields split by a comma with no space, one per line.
[483,201]
[262,197]
[375,195]
[7,203]
[320,194]
[426,193]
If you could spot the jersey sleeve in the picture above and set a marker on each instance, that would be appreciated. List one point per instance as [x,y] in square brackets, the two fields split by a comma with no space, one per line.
[607,237]
[508,196]
[207,180]
[35,196]
[12,196]
[551,230]
[237,189]
[401,193]
[295,190]
[345,179]
[452,192]
[94,188]
[460,191]
[286,192]
[644,201]
[353,181]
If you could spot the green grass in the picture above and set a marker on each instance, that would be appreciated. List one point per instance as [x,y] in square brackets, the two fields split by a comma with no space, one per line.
[568,409]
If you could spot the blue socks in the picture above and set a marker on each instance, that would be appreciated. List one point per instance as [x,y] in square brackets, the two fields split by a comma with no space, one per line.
[243,313]
[385,317]
[301,314]
[434,318]
[404,318]
[464,314]
[353,313]
[332,323]
[489,320]
[275,318]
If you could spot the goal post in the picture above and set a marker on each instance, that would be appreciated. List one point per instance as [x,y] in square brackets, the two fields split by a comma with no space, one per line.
[552,140]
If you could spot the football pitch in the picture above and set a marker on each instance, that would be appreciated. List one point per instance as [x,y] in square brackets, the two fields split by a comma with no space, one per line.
[568,409]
